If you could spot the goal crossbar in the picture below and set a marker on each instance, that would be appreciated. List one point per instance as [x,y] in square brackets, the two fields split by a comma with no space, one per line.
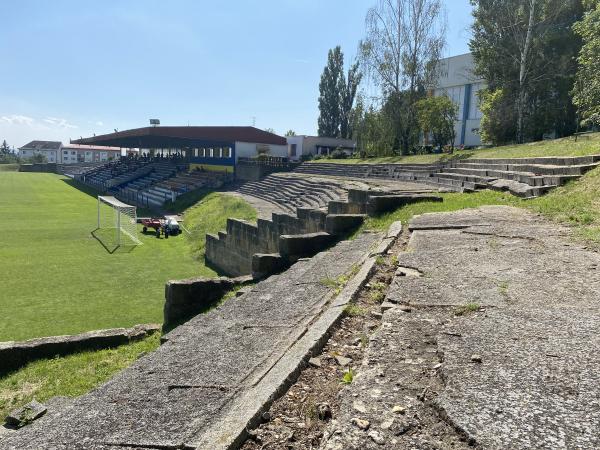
[123,218]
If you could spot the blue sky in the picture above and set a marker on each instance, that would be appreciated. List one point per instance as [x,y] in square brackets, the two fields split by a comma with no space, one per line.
[73,68]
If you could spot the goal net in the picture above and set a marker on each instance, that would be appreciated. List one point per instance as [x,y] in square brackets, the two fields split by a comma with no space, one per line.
[117,222]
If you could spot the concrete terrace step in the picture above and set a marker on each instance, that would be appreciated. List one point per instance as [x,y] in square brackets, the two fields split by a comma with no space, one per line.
[522,190]
[536,169]
[544,160]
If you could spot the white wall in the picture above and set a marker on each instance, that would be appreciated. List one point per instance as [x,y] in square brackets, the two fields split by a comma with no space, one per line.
[455,74]
[298,140]
[249,150]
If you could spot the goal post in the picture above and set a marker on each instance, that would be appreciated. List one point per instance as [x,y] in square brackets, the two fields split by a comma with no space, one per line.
[118,221]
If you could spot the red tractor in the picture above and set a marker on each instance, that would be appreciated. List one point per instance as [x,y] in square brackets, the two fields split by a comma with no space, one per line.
[168,226]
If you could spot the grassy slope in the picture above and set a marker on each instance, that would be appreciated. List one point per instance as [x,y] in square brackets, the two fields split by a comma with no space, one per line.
[576,204]
[70,376]
[57,279]
[587,144]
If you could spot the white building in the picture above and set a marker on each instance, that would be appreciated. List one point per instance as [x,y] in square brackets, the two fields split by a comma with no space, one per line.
[299,146]
[74,153]
[49,149]
[460,84]
[56,152]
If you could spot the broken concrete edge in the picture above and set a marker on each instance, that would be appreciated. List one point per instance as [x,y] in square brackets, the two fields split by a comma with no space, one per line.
[25,414]
[15,355]
[187,298]
[246,411]
[394,231]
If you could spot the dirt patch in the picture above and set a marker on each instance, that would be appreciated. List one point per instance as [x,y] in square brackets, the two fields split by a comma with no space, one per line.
[298,419]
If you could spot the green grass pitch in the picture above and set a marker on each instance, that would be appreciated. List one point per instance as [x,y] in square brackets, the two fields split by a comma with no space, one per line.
[56,278]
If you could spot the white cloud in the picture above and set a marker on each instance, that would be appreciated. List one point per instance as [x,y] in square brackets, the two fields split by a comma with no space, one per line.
[59,123]
[16,119]
[18,129]
[100,123]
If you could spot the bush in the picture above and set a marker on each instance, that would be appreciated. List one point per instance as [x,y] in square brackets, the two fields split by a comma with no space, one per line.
[338,154]
[307,157]
[318,157]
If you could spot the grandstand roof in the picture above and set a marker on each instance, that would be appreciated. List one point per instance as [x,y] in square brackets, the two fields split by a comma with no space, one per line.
[157,137]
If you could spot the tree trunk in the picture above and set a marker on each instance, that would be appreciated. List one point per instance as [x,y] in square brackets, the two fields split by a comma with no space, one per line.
[521,101]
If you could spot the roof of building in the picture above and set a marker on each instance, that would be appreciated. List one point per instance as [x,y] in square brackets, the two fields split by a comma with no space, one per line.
[150,137]
[91,147]
[42,145]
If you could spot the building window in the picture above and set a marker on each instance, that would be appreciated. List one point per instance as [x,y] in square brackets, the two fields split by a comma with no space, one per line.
[65,152]
[227,152]
[196,152]
[210,153]
[73,153]
[293,149]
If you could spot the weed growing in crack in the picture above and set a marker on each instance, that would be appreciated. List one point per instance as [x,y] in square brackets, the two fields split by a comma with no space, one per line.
[377,296]
[466,309]
[353,310]
[348,377]
[503,288]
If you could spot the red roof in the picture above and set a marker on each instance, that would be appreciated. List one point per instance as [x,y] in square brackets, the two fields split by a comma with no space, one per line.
[222,134]
[92,147]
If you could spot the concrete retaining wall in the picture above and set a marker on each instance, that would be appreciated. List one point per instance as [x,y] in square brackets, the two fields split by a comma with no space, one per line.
[14,355]
[284,239]
[38,167]
[187,298]
[231,251]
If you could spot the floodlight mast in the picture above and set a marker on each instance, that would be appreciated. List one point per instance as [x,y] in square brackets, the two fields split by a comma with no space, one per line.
[154,122]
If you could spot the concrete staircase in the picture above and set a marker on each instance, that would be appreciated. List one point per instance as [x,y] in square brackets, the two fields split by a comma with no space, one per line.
[290,193]
[523,177]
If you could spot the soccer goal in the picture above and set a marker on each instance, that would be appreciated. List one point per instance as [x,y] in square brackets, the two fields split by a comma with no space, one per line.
[117,221]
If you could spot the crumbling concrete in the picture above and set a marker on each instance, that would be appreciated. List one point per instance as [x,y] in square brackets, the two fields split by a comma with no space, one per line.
[491,342]
[186,298]
[294,247]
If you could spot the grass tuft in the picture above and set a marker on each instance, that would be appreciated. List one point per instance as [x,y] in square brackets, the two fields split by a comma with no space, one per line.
[68,376]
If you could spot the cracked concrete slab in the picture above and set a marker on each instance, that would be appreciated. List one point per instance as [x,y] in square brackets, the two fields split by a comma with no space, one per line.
[518,369]
[230,357]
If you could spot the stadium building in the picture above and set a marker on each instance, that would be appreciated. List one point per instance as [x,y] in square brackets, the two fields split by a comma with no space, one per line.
[209,148]
[457,81]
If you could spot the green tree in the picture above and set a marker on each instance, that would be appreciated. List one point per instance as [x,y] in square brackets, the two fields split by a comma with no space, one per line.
[337,94]
[498,121]
[4,148]
[38,158]
[401,51]
[347,96]
[437,116]
[330,88]
[587,87]
[289,133]
[526,49]
[270,130]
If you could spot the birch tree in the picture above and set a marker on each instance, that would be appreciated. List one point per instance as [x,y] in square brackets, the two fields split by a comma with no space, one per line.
[524,50]
[401,51]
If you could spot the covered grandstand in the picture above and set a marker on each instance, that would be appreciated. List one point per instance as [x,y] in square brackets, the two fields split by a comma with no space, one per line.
[209,148]
[170,161]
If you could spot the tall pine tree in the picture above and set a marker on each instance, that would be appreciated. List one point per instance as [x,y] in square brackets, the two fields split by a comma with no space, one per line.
[330,88]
